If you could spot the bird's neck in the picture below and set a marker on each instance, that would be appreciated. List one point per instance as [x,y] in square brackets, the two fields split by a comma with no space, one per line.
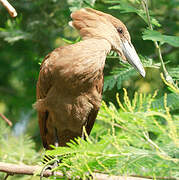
[93,55]
[98,44]
[86,60]
[94,52]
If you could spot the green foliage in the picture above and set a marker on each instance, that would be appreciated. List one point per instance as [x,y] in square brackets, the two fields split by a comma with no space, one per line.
[126,7]
[78,4]
[16,150]
[172,98]
[124,72]
[174,71]
[138,7]
[13,32]
[138,136]
[20,149]
[117,77]
[139,140]
[172,102]
[157,36]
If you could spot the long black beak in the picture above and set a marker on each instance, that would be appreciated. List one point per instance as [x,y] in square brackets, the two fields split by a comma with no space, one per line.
[132,57]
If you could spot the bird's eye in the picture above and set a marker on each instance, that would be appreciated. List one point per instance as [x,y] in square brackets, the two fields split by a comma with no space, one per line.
[120,30]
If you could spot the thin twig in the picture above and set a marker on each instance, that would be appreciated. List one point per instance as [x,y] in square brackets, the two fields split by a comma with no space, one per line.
[161,152]
[125,129]
[164,70]
[168,49]
[6,119]
[153,144]
[6,176]
[9,8]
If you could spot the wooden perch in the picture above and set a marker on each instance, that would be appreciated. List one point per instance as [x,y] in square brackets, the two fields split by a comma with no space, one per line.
[12,169]
[22,169]
[9,8]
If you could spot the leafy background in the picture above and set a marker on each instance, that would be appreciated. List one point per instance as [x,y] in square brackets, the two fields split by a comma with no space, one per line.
[135,134]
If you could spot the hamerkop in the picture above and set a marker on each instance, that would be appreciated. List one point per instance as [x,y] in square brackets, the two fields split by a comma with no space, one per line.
[70,84]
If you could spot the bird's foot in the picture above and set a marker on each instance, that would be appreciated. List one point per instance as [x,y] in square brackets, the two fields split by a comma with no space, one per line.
[50,165]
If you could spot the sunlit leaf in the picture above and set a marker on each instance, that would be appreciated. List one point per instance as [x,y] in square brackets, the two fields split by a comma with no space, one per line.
[127,8]
[13,36]
[157,36]
[118,75]
[172,102]
[77,4]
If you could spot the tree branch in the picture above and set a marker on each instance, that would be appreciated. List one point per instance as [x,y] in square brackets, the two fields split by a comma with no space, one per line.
[9,8]
[23,169]
[31,170]
[6,119]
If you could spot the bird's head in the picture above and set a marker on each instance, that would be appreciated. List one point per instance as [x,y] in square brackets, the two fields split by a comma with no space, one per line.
[96,24]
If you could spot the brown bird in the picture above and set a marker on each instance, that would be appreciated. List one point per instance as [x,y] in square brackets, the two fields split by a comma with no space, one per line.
[70,84]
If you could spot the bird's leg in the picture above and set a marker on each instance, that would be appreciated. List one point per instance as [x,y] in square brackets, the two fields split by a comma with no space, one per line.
[56,138]
[56,145]
[56,161]
[48,164]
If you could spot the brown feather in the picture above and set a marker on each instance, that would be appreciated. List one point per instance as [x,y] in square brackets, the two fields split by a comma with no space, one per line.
[69,88]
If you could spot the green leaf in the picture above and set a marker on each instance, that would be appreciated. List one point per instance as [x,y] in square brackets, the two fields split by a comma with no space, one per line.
[174,72]
[13,32]
[118,75]
[157,36]
[14,36]
[78,4]
[16,149]
[172,102]
[127,8]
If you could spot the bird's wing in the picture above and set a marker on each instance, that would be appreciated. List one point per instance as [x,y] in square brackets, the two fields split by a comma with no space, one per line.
[43,86]
[66,74]
[93,113]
